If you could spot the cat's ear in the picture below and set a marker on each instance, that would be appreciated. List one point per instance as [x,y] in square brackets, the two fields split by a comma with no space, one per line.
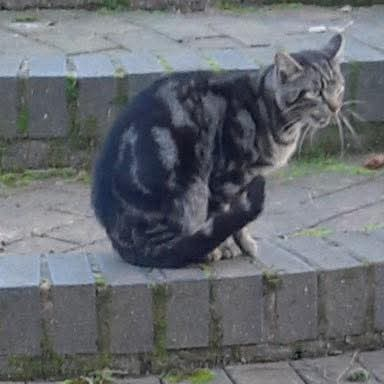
[334,48]
[286,66]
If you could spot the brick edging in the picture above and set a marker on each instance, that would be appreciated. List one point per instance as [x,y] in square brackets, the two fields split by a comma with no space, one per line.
[63,314]
[53,112]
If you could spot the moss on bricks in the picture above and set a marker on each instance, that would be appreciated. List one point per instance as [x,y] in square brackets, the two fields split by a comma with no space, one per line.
[103,311]
[215,328]
[271,280]
[121,97]
[199,376]
[159,300]
[213,64]
[313,232]
[22,107]
[72,96]
[165,64]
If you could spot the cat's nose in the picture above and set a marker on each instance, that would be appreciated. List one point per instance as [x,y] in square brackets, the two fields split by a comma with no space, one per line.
[334,104]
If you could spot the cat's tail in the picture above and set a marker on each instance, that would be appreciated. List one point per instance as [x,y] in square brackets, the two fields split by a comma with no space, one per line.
[177,250]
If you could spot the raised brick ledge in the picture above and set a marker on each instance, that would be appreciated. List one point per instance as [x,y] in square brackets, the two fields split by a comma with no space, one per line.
[62,314]
[53,113]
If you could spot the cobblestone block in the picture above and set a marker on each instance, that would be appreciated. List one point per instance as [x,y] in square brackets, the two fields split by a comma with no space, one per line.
[270,373]
[370,88]
[97,91]
[378,234]
[326,370]
[290,287]
[379,297]
[343,286]
[130,306]
[374,362]
[230,60]
[143,380]
[73,324]
[364,247]
[141,69]
[20,331]
[187,308]
[8,95]
[182,60]
[237,303]
[46,98]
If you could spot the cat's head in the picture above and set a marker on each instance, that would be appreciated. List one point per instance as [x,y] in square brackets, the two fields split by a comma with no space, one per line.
[309,86]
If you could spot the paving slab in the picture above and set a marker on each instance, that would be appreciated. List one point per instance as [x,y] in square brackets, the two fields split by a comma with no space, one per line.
[326,370]
[374,362]
[269,373]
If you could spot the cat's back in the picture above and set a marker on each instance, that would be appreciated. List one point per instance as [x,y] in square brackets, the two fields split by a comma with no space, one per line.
[150,142]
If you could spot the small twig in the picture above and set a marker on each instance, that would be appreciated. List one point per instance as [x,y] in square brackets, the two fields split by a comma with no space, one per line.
[350,365]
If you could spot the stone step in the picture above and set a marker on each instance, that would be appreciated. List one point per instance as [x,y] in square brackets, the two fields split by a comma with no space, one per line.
[54,114]
[63,314]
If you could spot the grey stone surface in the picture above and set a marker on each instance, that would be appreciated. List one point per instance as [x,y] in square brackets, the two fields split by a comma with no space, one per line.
[73,323]
[230,59]
[47,107]
[269,373]
[8,110]
[363,246]
[143,380]
[237,302]
[187,308]
[8,93]
[20,331]
[343,286]
[290,288]
[80,232]
[183,60]
[378,234]
[362,220]
[374,362]
[371,90]
[145,63]
[329,369]
[131,318]
[379,297]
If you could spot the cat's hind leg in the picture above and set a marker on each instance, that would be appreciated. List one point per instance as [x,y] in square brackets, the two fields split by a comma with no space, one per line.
[180,243]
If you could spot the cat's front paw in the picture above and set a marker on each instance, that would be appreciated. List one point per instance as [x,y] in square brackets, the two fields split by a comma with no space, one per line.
[215,255]
[246,242]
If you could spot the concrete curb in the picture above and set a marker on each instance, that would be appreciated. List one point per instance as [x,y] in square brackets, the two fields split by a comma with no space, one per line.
[53,112]
[65,314]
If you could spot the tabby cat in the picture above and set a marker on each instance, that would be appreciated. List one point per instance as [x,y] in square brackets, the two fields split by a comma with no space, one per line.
[183,167]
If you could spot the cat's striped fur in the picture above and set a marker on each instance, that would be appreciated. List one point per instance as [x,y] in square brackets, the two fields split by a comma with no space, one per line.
[182,168]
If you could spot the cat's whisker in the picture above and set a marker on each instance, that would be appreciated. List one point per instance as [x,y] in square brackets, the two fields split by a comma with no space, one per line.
[351,102]
[302,138]
[356,115]
[341,134]
[312,135]
[350,128]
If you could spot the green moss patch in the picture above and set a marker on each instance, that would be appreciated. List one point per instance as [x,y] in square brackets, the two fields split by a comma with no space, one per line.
[271,280]
[200,376]
[322,164]
[24,178]
[313,232]
[27,18]
[373,227]
[164,63]
[358,375]
[159,299]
